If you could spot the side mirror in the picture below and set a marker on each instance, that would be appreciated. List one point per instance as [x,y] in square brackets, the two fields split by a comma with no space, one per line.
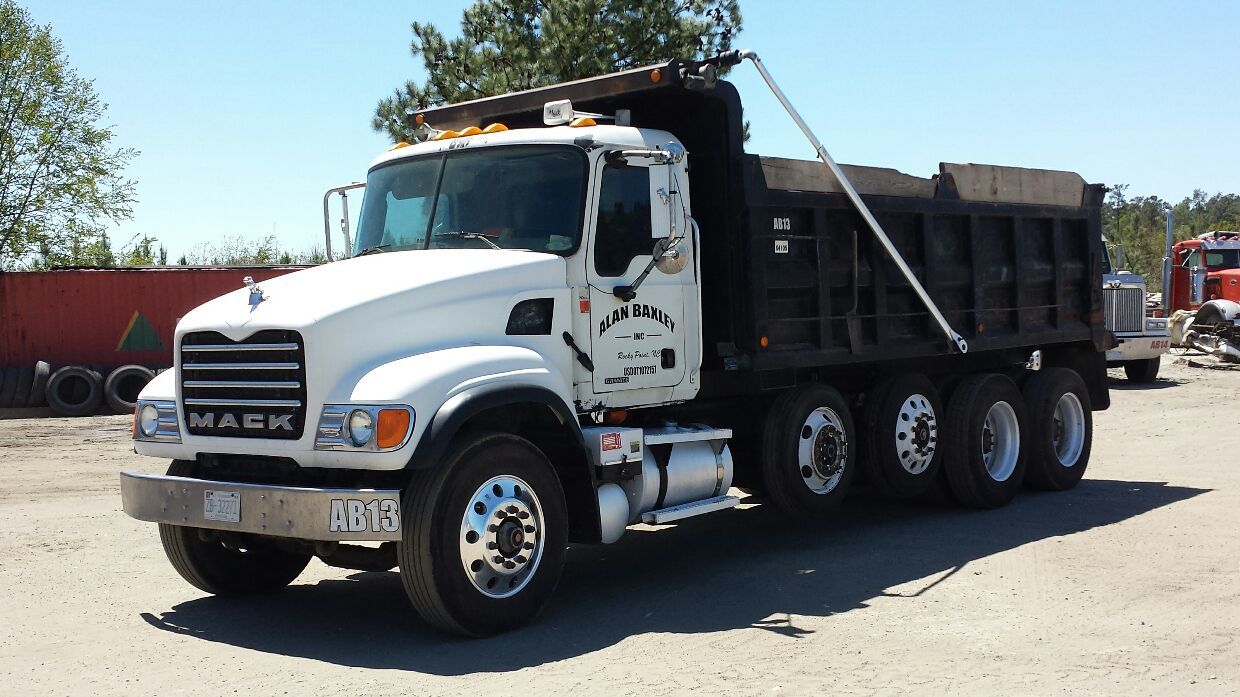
[1119,257]
[669,255]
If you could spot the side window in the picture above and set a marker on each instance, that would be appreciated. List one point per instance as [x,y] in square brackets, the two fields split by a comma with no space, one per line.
[624,230]
[1193,258]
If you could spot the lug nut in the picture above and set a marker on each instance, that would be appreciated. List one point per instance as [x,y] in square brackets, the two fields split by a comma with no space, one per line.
[523,515]
[513,510]
[521,559]
[493,528]
[491,545]
[529,545]
[497,559]
[529,528]
[510,565]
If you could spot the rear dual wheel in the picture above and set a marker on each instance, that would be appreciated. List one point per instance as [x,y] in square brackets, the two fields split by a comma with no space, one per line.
[900,434]
[808,451]
[1061,429]
[984,454]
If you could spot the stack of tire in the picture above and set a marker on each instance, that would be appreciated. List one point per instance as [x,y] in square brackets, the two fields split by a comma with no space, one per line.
[72,390]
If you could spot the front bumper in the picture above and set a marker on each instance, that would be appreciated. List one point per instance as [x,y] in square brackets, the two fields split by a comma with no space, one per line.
[337,515]
[1136,347]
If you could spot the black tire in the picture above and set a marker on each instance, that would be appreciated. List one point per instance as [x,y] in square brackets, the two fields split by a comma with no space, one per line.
[966,437]
[74,391]
[899,449]
[123,385]
[430,555]
[1142,371]
[25,381]
[815,487]
[38,388]
[220,569]
[1054,464]
[8,386]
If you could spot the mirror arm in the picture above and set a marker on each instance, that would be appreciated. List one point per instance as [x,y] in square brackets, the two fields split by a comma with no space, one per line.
[668,244]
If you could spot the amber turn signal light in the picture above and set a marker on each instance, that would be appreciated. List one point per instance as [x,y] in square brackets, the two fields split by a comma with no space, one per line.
[392,428]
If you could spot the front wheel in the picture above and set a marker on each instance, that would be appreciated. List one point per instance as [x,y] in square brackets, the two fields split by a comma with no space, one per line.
[1142,371]
[485,536]
[221,565]
[808,451]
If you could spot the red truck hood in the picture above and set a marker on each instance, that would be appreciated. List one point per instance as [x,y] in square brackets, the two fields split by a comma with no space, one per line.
[1229,283]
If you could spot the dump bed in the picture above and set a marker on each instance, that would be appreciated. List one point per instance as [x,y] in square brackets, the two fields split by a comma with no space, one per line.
[1011,256]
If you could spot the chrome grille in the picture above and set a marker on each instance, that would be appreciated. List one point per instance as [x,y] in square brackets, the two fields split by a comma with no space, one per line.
[251,388]
[1125,309]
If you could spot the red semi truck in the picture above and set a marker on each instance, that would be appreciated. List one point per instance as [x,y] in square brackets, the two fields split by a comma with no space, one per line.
[76,338]
[1201,292]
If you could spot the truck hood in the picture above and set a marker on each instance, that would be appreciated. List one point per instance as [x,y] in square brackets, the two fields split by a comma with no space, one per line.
[387,285]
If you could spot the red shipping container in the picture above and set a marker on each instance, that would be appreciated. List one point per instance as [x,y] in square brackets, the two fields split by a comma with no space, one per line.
[107,317]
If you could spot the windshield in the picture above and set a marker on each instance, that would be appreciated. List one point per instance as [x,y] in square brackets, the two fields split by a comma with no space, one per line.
[1223,258]
[511,197]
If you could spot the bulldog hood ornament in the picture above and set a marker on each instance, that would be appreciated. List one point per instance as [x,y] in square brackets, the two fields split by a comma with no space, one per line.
[256,293]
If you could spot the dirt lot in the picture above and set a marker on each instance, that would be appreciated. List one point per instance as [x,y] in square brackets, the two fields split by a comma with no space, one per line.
[1129,584]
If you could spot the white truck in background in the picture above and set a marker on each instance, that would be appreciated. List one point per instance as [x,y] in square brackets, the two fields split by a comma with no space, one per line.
[1141,338]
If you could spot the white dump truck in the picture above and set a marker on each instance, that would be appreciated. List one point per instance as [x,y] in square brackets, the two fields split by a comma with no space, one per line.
[579,308]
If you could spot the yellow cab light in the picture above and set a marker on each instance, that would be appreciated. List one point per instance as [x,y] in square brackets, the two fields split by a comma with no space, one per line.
[392,428]
[446,135]
[495,128]
[582,122]
[656,75]
[471,131]
[398,146]
[419,119]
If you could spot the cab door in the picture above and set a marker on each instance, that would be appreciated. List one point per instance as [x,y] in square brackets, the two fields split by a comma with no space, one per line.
[639,343]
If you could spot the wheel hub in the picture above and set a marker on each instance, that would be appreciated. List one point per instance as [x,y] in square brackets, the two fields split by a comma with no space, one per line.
[822,452]
[916,434]
[501,536]
[826,452]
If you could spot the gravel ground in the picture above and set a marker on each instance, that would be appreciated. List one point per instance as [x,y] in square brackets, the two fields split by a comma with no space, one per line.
[1128,584]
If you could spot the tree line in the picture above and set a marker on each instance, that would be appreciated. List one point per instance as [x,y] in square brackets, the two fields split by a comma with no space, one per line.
[1139,224]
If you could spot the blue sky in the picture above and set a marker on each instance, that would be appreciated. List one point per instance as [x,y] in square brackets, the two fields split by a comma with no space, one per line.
[246,112]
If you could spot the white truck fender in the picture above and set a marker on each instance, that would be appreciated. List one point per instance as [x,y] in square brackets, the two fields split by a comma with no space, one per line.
[447,386]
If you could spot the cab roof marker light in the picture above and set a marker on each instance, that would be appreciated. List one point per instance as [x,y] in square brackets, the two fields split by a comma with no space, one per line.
[471,131]
[495,128]
[445,135]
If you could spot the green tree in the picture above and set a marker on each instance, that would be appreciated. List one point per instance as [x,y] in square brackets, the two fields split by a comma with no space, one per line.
[60,177]
[1139,224]
[510,45]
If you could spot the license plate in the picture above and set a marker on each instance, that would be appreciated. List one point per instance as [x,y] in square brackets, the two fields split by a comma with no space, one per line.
[224,506]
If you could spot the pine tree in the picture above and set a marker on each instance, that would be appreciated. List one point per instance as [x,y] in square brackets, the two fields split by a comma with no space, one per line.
[511,45]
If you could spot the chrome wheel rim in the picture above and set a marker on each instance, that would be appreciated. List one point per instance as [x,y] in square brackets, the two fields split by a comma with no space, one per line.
[1000,441]
[501,536]
[917,434]
[1068,429]
[822,453]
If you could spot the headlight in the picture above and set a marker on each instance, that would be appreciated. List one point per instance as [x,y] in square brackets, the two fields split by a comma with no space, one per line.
[148,420]
[156,420]
[361,427]
[374,428]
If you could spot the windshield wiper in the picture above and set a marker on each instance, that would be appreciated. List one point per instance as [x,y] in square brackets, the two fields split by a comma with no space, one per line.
[375,249]
[468,236]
